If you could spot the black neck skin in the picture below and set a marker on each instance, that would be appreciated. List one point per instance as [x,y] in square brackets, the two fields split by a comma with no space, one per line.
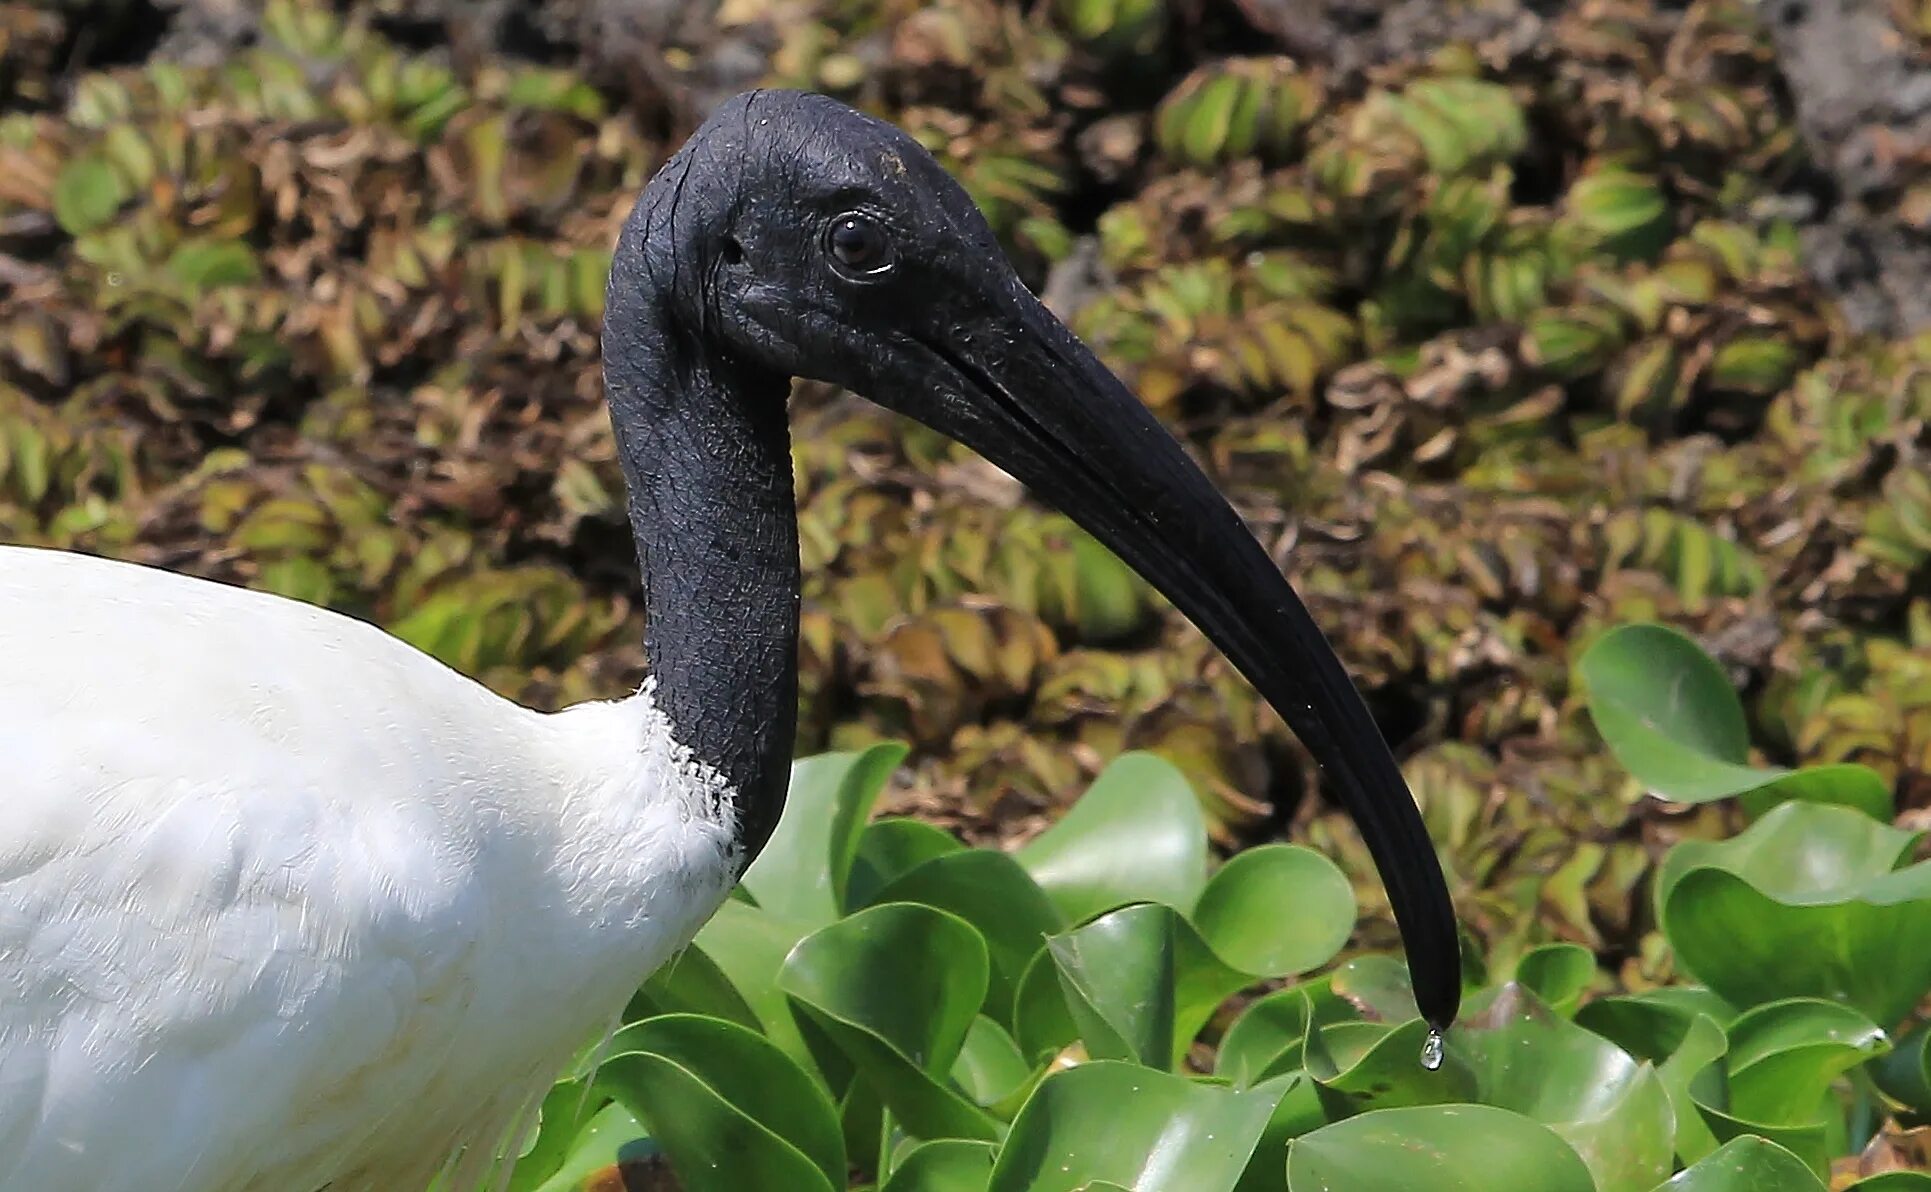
[706,452]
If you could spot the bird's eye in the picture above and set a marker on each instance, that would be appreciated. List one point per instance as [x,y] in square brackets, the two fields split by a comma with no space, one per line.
[859,245]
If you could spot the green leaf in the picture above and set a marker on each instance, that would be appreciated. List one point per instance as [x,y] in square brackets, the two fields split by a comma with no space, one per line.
[692,983]
[612,1139]
[944,1165]
[890,847]
[803,869]
[1276,909]
[1558,974]
[1141,983]
[1650,1025]
[896,988]
[1376,986]
[1360,1066]
[1269,1038]
[729,1109]
[1672,719]
[206,264]
[1894,1181]
[1803,903]
[1612,1109]
[1141,1129]
[1905,1074]
[989,890]
[747,946]
[1747,1164]
[990,1067]
[1137,834]
[88,194]
[1694,1079]
[1443,1148]
[1784,1055]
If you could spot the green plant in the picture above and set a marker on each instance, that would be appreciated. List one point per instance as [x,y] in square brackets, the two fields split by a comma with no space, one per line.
[882,1006]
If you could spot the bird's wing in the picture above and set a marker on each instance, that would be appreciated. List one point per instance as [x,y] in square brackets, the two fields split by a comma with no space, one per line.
[225,895]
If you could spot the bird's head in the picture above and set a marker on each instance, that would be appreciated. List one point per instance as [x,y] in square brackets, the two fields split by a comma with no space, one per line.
[803,238]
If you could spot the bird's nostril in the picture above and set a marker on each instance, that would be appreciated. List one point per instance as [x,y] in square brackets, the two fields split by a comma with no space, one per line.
[731,251]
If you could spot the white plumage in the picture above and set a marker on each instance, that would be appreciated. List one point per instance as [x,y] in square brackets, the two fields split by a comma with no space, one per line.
[389,903]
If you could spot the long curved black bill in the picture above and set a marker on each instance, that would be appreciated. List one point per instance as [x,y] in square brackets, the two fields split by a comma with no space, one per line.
[1034,400]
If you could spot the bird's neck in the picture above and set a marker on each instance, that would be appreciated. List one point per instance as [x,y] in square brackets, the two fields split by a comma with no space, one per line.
[706,453]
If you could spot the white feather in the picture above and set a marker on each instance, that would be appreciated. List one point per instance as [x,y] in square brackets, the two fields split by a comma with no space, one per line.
[285,902]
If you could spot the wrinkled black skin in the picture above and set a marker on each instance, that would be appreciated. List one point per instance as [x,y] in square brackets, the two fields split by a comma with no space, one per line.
[722,288]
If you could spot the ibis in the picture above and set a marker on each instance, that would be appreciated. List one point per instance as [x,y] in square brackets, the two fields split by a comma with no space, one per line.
[286,903]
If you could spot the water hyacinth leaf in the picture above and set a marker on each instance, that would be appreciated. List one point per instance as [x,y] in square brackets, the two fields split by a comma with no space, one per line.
[889,847]
[1671,717]
[1041,1021]
[1803,903]
[896,988]
[1276,909]
[1269,1037]
[1558,974]
[1377,988]
[1808,1141]
[1132,1126]
[1140,983]
[1747,1164]
[729,1109]
[1784,1055]
[567,1112]
[989,890]
[1360,1066]
[990,1067]
[1137,834]
[612,1140]
[803,869]
[692,983]
[1612,1109]
[1693,1079]
[88,193]
[1905,1074]
[748,946]
[1894,1181]
[1299,1111]
[943,1165]
[1444,1148]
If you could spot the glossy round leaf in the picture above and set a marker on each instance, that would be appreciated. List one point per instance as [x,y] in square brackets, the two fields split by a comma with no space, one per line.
[1804,903]
[1748,1164]
[889,847]
[1672,718]
[1140,983]
[1139,1128]
[748,946]
[1442,1148]
[990,1067]
[1611,1109]
[896,988]
[1558,974]
[989,890]
[1784,1056]
[729,1109]
[610,1141]
[1360,1066]
[803,869]
[1276,910]
[1694,1079]
[1268,1038]
[1137,834]
[1905,1073]
[943,1165]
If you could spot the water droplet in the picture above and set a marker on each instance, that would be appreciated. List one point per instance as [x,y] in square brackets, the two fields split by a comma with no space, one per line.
[1431,1051]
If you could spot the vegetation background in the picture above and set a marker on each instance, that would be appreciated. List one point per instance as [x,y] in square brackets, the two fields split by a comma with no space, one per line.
[1503,322]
